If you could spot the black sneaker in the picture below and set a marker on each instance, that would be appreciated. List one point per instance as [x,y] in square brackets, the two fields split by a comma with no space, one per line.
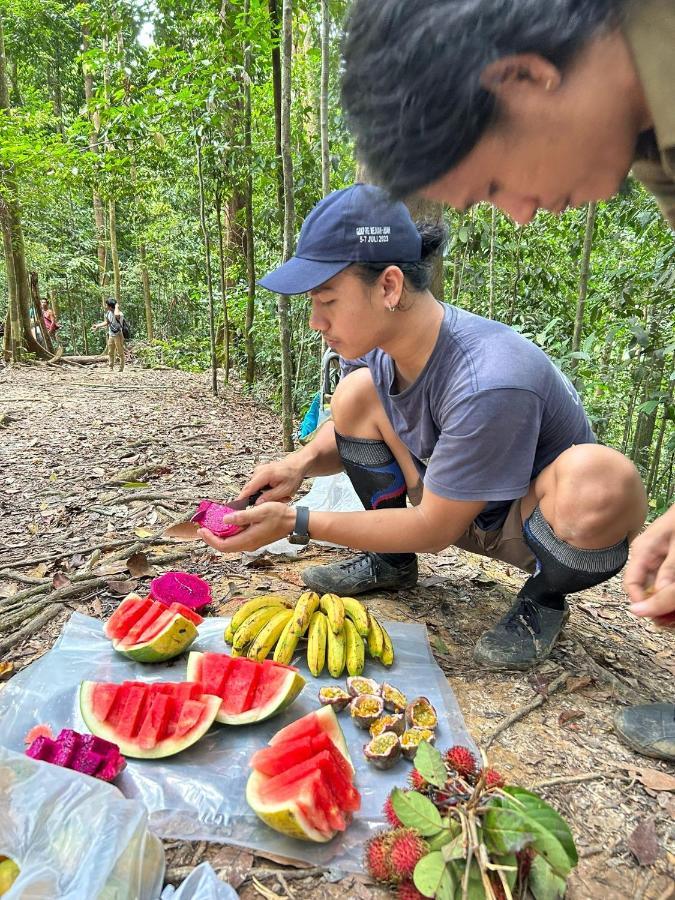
[523,638]
[365,572]
[648,729]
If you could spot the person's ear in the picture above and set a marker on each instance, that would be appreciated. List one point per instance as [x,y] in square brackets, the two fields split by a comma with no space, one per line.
[392,282]
[508,76]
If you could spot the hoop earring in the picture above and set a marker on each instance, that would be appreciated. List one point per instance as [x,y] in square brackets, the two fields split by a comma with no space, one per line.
[391,308]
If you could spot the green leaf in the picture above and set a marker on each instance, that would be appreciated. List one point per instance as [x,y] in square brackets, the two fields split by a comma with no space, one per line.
[454,850]
[508,829]
[429,763]
[475,889]
[543,882]
[449,832]
[416,811]
[434,879]
[130,485]
[548,818]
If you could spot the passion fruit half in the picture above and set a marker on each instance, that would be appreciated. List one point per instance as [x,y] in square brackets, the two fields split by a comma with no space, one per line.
[357,685]
[419,713]
[394,700]
[384,750]
[412,738]
[392,722]
[334,696]
[366,709]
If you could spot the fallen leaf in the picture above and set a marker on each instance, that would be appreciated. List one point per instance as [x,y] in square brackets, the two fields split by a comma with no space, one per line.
[576,684]
[59,580]
[233,865]
[570,715]
[6,670]
[76,561]
[667,803]
[130,485]
[138,565]
[182,531]
[38,571]
[112,568]
[8,590]
[143,532]
[439,645]
[644,843]
[98,471]
[652,779]
[122,587]
[97,607]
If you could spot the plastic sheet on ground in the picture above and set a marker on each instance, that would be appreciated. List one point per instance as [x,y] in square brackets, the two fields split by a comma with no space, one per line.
[201,884]
[200,794]
[74,837]
[329,493]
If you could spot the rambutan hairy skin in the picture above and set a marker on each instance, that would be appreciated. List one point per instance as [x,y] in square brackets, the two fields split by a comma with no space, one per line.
[417,782]
[461,760]
[378,856]
[494,779]
[406,849]
[408,891]
[390,814]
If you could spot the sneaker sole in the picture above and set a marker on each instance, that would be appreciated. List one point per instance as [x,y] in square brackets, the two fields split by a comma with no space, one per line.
[524,666]
[636,748]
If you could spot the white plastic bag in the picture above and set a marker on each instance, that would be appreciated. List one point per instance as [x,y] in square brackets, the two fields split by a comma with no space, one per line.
[329,493]
[201,884]
[74,837]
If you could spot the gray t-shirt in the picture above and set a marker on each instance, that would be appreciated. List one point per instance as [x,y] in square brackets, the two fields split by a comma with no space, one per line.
[486,415]
[114,323]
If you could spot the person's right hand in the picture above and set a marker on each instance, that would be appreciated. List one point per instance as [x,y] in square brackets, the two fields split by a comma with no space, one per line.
[279,481]
[650,574]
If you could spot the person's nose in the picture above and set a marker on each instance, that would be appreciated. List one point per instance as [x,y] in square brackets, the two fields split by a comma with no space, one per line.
[317,321]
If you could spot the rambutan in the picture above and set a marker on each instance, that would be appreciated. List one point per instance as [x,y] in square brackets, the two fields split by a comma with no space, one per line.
[461,760]
[406,849]
[377,856]
[417,781]
[494,779]
[390,814]
[408,891]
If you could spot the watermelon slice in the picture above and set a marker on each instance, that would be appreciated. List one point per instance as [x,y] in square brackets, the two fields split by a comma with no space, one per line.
[250,691]
[302,784]
[147,631]
[210,515]
[147,721]
[181,587]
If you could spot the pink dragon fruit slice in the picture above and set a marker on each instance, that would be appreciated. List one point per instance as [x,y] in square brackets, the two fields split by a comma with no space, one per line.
[80,752]
[111,768]
[181,587]
[210,515]
[67,743]
[42,748]
[87,762]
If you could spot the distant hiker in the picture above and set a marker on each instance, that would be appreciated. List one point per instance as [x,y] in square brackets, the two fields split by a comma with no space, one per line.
[114,322]
[51,324]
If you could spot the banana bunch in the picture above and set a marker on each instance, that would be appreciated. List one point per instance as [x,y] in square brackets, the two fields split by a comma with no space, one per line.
[338,631]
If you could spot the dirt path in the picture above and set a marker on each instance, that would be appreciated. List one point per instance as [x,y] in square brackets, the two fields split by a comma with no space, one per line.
[65,434]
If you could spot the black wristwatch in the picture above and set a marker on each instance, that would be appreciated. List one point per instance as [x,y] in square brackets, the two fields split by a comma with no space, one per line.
[300,533]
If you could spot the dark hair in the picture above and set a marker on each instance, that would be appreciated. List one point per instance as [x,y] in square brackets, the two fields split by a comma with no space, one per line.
[111,301]
[418,275]
[411,86]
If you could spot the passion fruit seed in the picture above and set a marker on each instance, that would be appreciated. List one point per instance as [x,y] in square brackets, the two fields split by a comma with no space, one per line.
[365,709]
[384,742]
[411,739]
[421,714]
[394,700]
[335,697]
[383,751]
[393,723]
[357,686]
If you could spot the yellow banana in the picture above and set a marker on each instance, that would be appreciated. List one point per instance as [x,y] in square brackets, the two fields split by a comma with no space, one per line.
[288,641]
[337,652]
[334,608]
[229,634]
[355,649]
[269,635]
[387,657]
[250,627]
[305,608]
[375,637]
[316,644]
[253,605]
[357,613]
[236,653]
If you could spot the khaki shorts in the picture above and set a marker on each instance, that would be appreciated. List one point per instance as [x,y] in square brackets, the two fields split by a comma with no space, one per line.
[506,543]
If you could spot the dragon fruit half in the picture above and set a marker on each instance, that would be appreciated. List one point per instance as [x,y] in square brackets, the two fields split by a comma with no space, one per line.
[181,587]
[81,752]
[210,515]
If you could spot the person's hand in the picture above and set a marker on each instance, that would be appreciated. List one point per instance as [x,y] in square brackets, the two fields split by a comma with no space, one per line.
[279,482]
[650,575]
[262,525]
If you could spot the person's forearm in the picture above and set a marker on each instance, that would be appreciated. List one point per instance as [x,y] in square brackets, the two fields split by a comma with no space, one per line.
[320,456]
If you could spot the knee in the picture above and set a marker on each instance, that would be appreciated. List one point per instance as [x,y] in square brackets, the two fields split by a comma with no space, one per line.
[354,401]
[598,488]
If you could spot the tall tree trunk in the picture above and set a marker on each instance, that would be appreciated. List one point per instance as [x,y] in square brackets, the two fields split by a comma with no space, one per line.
[58,97]
[325,79]
[249,238]
[491,266]
[114,254]
[275,27]
[13,345]
[583,283]
[99,213]
[654,366]
[207,253]
[289,223]
[223,287]
[147,296]
[653,477]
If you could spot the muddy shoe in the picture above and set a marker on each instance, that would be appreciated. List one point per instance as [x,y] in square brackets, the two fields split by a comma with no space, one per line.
[365,572]
[523,638]
[648,729]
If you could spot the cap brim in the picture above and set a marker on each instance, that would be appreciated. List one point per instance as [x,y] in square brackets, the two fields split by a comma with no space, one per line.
[299,275]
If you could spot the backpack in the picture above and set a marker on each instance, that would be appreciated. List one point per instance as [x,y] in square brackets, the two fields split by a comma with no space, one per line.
[126,329]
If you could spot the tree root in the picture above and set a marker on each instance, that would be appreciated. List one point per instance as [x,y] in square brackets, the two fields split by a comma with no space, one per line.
[31,628]
[554,686]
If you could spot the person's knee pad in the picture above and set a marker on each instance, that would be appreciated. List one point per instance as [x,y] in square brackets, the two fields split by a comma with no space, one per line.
[564,569]
[373,471]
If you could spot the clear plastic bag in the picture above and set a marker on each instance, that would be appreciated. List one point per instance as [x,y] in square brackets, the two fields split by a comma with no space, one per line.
[74,837]
[199,794]
[201,884]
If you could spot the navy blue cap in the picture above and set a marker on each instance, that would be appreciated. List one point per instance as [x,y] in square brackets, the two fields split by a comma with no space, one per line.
[358,224]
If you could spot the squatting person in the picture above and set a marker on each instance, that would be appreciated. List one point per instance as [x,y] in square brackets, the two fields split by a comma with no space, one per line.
[527,105]
[459,413]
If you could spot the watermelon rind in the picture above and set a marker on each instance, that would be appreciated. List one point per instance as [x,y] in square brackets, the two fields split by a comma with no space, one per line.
[289,689]
[173,640]
[328,723]
[285,816]
[128,747]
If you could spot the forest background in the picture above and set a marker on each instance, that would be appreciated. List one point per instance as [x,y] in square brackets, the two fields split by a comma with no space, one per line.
[166,153]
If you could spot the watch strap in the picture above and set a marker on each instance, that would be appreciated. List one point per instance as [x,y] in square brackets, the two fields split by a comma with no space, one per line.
[300,533]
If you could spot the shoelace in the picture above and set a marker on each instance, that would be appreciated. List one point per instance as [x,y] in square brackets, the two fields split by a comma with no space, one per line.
[352,565]
[527,613]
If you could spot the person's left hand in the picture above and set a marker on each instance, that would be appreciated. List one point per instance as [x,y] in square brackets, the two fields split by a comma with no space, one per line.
[262,525]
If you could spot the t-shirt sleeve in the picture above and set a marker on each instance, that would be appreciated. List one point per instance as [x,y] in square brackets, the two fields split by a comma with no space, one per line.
[487,446]
[351,365]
